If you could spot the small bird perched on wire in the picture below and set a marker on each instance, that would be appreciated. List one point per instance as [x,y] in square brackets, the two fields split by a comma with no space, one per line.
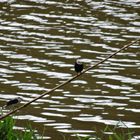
[78,66]
[13,101]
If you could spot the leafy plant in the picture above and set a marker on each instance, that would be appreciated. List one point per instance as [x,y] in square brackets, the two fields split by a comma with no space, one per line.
[8,133]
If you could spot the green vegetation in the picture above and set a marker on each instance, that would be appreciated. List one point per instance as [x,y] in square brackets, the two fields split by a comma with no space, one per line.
[118,135]
[108,133]
[8,133]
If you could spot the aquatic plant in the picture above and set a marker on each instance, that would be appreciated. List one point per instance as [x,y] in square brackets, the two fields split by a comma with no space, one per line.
[108,133]
[7,131]
[117,133]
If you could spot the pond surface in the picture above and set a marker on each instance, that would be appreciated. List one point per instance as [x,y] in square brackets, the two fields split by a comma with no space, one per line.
[39,43]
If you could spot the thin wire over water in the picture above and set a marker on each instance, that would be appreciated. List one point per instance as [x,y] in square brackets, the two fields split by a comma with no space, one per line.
[71,79]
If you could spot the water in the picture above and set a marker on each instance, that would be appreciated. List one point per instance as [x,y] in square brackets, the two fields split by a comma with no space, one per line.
[39,43]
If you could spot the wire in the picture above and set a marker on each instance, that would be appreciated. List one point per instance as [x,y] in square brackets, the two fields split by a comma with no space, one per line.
[68,81]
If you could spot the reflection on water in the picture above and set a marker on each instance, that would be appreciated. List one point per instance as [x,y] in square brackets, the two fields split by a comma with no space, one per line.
[39,43]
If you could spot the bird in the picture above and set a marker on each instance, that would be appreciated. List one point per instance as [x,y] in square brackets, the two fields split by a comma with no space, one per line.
[13,101]
[78,66]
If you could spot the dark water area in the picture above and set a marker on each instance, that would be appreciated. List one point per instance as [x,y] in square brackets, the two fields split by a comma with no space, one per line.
[39,43]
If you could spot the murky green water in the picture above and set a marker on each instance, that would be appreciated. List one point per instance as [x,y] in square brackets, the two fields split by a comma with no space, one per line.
[39,43]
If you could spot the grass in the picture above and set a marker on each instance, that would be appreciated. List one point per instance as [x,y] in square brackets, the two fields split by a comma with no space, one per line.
[108,133]
[119,134]
[7,131]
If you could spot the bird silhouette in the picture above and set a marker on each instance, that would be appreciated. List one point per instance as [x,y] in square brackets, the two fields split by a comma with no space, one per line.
[13,101]
[78,66]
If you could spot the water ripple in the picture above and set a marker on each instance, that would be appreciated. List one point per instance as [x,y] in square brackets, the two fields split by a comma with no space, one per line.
[40,41]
